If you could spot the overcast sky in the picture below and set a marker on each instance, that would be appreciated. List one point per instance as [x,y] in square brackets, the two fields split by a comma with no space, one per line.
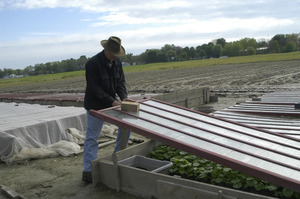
[40,31]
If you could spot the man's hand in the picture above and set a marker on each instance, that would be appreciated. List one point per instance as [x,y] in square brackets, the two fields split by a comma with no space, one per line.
[116,103]
[128,100]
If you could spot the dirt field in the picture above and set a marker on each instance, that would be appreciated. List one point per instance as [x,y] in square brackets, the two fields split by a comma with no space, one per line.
[234,80]
[60,177]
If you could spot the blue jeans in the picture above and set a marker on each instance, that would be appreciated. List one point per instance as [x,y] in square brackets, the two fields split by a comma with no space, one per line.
[94,127]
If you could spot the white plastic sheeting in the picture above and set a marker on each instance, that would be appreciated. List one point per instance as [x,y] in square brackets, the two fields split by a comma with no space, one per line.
[33,128]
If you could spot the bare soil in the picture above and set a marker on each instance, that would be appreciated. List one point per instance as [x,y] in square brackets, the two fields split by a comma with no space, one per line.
[60,177]
[233,80]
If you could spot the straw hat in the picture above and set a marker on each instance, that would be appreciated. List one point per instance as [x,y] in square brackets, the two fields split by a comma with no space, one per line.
[113,46]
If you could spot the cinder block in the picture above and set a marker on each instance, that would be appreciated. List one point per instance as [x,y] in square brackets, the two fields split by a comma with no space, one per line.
[130,106]
[149,164]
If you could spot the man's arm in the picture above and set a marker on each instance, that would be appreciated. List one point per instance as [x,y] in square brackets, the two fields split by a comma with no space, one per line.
[121,84]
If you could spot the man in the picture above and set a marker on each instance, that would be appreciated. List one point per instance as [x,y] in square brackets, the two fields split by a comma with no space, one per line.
[104,80]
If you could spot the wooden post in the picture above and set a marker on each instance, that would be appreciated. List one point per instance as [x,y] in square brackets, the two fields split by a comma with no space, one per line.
[124,135]
[116,170]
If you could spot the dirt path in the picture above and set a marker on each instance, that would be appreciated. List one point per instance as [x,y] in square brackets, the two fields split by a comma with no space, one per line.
[58,177]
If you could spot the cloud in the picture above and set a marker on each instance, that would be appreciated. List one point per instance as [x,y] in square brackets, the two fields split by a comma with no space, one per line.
[134,12]
[31,51]
[147,24]
[43,34]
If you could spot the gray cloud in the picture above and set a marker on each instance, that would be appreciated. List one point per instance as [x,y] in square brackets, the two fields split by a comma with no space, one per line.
[150,24]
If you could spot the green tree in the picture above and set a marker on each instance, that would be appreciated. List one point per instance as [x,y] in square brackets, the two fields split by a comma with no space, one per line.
[221,41]
[48,68]
[72,65]
[237,48]
[233,49]
[262,47]
[208,48]
[292,39]
[39,69]
[171,55]
[192,53]
[172,52]
[262,44]
[56,67]
[274,46]
[247,42]
[183,55]
[151,56]
[251,50]
[291,46]
[81,61]
[19,72]
[217,51]
[128,58]
[161,57]
[201,51]
[168,47]
[281,41]
[29,70]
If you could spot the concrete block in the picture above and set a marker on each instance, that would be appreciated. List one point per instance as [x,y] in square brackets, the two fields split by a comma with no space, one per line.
[130,107]
[9,192]
[213,98]
[187,98]
[148,164]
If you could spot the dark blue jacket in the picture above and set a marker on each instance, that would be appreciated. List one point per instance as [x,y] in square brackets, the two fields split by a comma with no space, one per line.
[103,83]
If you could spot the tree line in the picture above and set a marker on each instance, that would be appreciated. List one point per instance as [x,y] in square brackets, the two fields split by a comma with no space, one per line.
[280,43]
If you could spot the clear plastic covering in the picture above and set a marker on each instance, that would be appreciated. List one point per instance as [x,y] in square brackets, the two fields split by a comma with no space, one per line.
[33,131]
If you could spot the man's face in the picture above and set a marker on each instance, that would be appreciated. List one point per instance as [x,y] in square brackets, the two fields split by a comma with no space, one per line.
[109,56]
